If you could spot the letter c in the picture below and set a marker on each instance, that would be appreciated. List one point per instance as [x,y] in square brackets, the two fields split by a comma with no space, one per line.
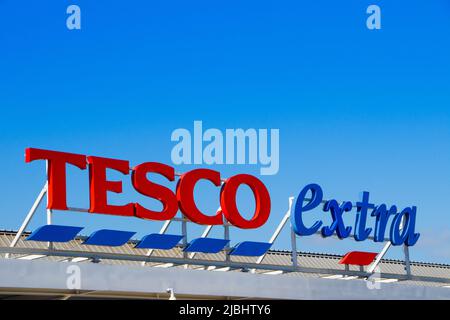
[185,196]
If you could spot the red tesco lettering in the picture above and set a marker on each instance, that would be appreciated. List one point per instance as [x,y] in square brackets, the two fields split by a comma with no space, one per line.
[182,199]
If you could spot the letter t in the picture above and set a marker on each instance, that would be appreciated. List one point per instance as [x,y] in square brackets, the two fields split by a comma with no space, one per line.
[56,174]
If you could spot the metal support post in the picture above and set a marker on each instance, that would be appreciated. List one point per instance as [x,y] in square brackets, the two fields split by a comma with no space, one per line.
[294,249]
[407,261]
[226,236]
[204,235]
[278,230]
[185,238]
[383,252]
[27,219]
[162,231]
[49,222]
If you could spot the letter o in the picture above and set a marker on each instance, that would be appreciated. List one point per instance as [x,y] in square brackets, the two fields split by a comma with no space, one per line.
[229,206]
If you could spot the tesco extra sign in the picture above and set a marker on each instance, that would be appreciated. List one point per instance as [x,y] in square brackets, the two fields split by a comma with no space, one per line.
[400,232]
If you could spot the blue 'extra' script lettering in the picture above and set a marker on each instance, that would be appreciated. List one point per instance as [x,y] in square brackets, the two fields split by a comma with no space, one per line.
[402,229]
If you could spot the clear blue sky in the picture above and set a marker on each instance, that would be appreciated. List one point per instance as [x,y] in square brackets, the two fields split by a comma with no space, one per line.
[357,109]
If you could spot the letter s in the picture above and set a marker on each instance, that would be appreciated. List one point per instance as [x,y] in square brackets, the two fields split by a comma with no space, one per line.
[156,191]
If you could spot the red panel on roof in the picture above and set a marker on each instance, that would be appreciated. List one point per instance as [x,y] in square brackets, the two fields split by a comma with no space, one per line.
[358,258]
